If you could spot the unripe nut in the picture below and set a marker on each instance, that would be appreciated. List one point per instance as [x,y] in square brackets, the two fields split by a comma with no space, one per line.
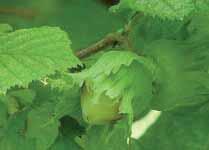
[101,111]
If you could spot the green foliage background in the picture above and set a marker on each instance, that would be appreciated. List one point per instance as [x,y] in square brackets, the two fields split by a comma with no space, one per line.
[162,64]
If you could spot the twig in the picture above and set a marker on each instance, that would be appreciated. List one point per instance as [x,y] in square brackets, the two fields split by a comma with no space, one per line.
[22,12]
[110,39]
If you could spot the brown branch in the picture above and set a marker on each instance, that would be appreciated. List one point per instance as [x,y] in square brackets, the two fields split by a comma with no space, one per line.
[109,40]
[21,12]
